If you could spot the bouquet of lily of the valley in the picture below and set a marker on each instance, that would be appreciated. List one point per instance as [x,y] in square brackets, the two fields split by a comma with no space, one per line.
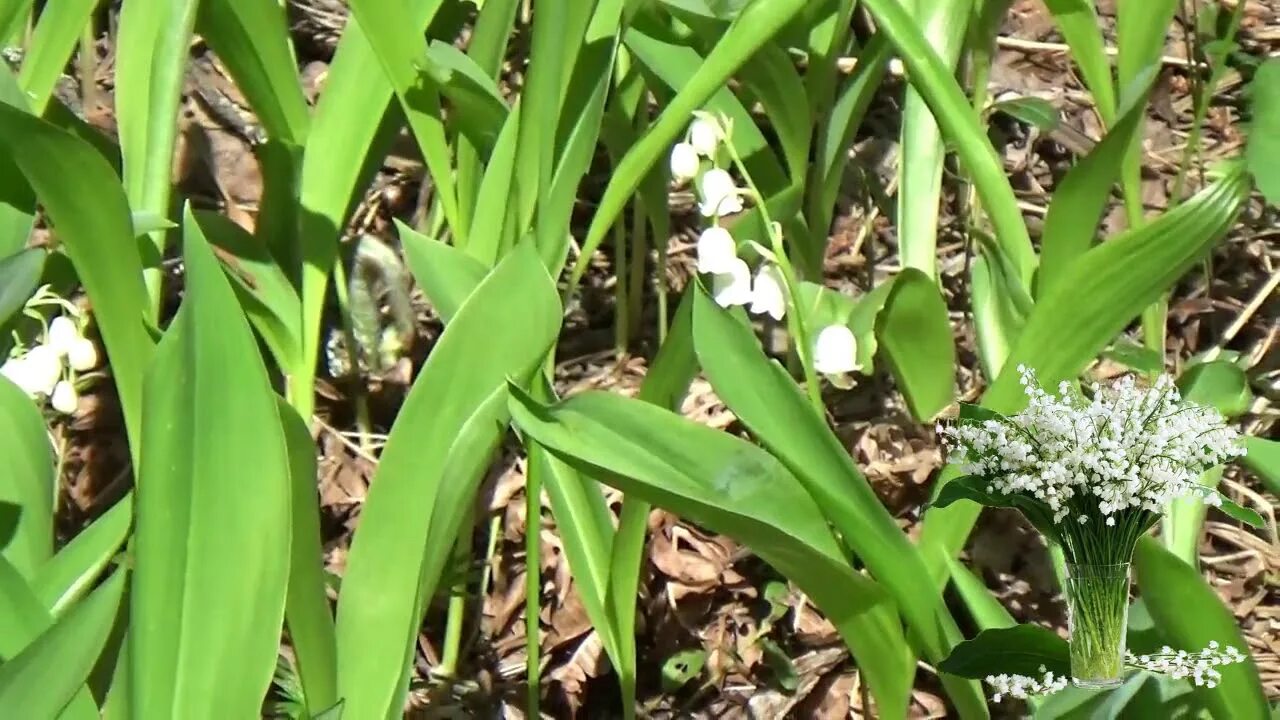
[1093,474]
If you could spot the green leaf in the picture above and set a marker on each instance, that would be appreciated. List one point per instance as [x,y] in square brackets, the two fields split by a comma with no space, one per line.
[152,48]
[1135,356]
[682,667]
[758,22]
[28,480]
[1262,457]
[55,36]
[202,551]
[1078,21]
[1020,650]
[1141,31]
[970,487]
[379,607]
[306,610]
[10,514]
[264,291]
[1111,284]
[915,334]
[1243,514]
[1193,616]
[71,573]
[767,401]
[50,673]
[732,487]
[1071,223]
[1264,131]
[82,197]
[1219,384]
[1034,111]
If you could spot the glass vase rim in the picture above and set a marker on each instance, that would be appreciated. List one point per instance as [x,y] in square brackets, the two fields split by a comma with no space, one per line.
[1098,566]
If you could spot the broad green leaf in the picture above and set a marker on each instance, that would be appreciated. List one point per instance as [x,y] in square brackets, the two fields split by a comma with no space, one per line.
[19,277]
[47,678]
[71,573]
[306,610]
[986,610]
[1191,618]
[17,202]
[28,480]
[490,226]
[943,24]
[1141,33]
[252,40]
[1219,384]
[915,334]
[767,401]
[81,196]
[446,274]
[970,487]
[211,561]
[1078,22]
[1262,457]
[1243,514]
[51,45]
[265,293]
[931,76]
[732,487]
[682,667]
[350,132]
[1032,110]
[1135,356]
[151,55]
[1020,650]
[1264,131]
[1071,223]
[996,318]
[379,605]
[758,22]
[13,16]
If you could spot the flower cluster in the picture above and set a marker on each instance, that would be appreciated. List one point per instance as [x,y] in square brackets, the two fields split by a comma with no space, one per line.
[731,282]
[1129,448]
[1023,686]
[1201,666]
[49,368]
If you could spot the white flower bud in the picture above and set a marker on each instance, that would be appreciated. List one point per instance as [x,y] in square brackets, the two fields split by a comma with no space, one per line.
[83,355]
[734,286]
[64,398]
[720,196]
[63,333]
[44,367]
[705,135]
[768,294]
[716,250]
[835,351]
[684,162]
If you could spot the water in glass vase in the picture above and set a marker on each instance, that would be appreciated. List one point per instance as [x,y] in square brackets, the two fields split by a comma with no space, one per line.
[1097,613]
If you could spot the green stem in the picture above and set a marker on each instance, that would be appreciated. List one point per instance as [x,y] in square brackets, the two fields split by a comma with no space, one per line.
[621,305]
[457,597]
[794,322]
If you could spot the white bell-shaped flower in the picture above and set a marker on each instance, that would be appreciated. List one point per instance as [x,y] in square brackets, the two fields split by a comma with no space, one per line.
[835,351]
[64,398]
[705,135]
[684,162]
[717,251]
[768,293]
[18,371]
[63,333]
[83,355]
[734,286]
[720,196]
[44,369]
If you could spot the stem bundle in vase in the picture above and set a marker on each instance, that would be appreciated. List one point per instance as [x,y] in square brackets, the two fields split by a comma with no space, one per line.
[1093,474]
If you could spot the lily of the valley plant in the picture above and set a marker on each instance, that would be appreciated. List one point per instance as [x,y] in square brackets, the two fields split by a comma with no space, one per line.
[1093,474]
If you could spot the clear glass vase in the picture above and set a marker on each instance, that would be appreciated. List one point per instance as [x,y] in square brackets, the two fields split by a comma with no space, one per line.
[1097,613]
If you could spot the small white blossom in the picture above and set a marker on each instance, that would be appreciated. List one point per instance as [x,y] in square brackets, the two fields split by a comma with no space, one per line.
[705,135]
[720,196]
[82,355]
[835,351]
[63,334]
[1023,686]
[684,162]
[1126,450]
[716,250]
[64,398]
[40,370]
[734,286]
[1201,667]
[768,293]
